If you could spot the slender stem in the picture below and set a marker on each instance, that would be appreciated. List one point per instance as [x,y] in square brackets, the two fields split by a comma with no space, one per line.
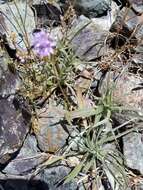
[57,73]
[23,23]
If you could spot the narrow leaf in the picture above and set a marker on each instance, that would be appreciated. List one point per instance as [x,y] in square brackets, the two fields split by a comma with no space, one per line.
[86,112]
[74,172]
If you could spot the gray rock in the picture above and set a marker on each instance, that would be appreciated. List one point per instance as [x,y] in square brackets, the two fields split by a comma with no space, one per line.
[48,179]
[138,56]
[16,21]
[92,8]
[88,42]
[9,81]
[47,13]
[28,158]
[14,114]
[53,176]
[14,126]
[128,23]
[104,23]
[133,22]
[137,5]
[133,151]
[51,135]
[127,90]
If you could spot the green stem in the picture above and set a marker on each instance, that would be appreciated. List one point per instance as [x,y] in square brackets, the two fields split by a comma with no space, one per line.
[57,73]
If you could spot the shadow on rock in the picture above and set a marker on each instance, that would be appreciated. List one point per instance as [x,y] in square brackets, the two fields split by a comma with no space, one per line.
[16,184]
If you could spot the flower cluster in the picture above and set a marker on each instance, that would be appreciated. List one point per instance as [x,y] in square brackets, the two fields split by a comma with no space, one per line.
[43,45]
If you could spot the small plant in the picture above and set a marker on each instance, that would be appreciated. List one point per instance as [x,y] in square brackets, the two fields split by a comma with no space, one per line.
[95,160]
[49,69]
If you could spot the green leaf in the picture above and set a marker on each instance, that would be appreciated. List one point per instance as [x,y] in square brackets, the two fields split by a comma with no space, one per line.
[86,112]
[53,160]
[100,123]
[74,172]
[113,138]
[88,165]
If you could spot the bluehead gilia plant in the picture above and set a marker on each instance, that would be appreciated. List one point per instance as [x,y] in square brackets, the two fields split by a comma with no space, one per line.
[43,63]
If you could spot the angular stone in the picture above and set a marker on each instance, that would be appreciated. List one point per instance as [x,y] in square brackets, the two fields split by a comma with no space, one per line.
[133,22]
[51,135]
[133,151]
[128,23]
[137,5]
[89,43]
[48,179]
[53,176]
[127,90]
[104,23]
[18,20]
[13,129]
[92,8]
[46,13]
[28,158]
[9,81]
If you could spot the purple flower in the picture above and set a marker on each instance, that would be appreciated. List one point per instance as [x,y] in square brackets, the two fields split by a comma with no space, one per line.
[43,44]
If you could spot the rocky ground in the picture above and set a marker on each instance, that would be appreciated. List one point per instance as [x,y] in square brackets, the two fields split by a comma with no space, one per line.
[106,38]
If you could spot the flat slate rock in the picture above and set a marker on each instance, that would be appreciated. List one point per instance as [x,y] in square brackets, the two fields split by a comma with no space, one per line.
[14,114]
[133,151]
[15,21]
[14,126]
[92,8]
[87,41]
[51,135]
[9,81]
[28,158]
[48,179]
[127,90]
[47,14]
[53,177]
